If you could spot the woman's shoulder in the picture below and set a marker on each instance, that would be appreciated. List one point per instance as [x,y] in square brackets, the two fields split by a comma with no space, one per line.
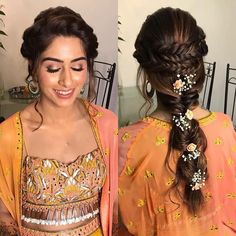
[10,121]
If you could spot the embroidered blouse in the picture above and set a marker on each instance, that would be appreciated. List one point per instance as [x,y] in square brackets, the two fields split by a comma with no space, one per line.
[56,193]
[146,207]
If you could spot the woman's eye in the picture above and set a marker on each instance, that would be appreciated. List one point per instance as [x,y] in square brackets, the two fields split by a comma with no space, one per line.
[51,70]
[77,68]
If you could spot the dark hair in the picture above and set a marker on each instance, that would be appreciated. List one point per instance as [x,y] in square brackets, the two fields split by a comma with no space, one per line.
[53,22]
[170,43]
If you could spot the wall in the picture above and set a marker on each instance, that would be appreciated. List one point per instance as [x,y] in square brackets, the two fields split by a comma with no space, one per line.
[101,15]
[215,17]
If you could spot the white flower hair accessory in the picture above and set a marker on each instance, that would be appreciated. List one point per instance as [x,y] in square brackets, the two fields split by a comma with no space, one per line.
[198,180]
[192,154]
[183,83]
[182,121]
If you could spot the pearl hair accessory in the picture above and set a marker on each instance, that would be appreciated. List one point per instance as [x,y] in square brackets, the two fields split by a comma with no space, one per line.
[193,152]
[183,83]
[182,121]
[198,180]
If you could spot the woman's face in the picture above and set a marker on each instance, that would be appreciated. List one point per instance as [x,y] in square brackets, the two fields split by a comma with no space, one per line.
[62,71]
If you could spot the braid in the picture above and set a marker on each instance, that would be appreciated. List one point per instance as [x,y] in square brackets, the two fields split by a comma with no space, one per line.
[175,54]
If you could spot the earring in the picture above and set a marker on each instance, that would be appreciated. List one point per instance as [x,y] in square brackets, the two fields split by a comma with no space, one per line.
[149,90]
[32,86]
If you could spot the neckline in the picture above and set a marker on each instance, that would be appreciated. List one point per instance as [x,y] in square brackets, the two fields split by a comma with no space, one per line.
[202,121]
[62,162]
[91,116]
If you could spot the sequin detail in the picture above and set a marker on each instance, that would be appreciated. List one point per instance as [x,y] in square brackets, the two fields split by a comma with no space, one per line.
[56,193]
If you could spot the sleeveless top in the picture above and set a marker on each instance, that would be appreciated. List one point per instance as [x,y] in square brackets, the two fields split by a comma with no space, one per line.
[56,193]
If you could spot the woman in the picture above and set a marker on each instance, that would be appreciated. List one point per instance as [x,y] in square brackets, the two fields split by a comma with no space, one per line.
[177,166]
[58,155]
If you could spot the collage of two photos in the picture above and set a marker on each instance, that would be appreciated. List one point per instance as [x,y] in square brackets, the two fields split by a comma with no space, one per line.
[117,118]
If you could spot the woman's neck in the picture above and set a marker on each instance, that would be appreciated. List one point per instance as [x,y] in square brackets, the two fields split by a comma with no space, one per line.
[59,115]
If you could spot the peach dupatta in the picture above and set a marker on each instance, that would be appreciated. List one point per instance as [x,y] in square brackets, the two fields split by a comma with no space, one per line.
[11,150]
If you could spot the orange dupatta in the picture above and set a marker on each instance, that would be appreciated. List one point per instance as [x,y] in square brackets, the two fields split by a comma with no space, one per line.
[11,150]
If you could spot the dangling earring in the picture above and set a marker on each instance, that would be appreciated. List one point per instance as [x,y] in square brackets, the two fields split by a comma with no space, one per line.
[32,86]
[149,90]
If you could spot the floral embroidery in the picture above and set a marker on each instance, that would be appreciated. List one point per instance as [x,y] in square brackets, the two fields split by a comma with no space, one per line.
[129,170]
[219,175]
[141,203]
[160,209]
[230,161]
[99,114]
[213,227]
[231,195]
[218,141]
[116,131]
[170,181]
[125,136]
[177,215]
[148,174]
[225,123]
[160,140]
[194,218]
[51,182]
[208,196]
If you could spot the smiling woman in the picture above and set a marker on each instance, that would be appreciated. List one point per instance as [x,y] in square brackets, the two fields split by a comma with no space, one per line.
[58,172]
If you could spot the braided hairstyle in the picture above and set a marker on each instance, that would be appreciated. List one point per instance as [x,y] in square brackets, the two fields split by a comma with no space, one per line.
[54,22]
[170,43]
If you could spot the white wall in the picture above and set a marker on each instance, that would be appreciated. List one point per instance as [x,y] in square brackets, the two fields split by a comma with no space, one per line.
[217,18]
[101,15]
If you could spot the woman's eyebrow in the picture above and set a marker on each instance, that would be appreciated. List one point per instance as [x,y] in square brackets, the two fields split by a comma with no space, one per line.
[61,61]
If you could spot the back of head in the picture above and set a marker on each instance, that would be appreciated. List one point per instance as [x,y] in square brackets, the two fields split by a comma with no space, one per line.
[170,48]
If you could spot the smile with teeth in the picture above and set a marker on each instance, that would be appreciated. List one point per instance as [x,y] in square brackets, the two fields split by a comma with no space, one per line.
[64,92]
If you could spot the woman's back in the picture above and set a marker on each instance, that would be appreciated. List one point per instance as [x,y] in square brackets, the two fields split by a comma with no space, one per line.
[148,207]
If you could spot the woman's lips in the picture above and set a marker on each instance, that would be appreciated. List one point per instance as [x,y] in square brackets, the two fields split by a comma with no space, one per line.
[64,93]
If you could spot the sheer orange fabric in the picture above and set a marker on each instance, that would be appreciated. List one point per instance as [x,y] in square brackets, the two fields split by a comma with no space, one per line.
[11,149]
[148,208]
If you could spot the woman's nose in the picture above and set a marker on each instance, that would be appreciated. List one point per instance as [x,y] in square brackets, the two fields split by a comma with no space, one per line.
[65,78]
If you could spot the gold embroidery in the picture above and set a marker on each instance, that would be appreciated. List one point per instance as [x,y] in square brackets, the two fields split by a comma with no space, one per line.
[99,114]
[121,192]
[130,224]
[230,161]
[218,141]
[106,151]
[225,123]
[148,174]
[230,222]
[231,195]
[160,140]
[194,218]
[206,120]
[170,181]
[177,215]
[141,203]
[160,209]
[129,170]
[116,132]
[213,227]
[220,175]
[208,196]
[125,136]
